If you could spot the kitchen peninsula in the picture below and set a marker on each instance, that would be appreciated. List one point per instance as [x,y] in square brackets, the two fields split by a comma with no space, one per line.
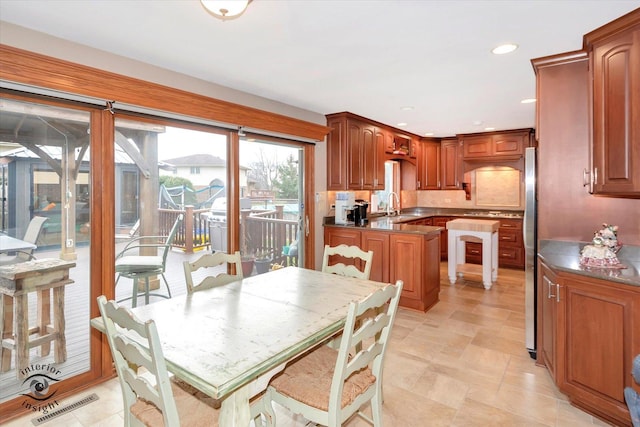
[406,252]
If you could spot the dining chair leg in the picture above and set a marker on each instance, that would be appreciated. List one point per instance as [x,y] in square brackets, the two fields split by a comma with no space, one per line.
[146,290]
[167,285]
[134,295]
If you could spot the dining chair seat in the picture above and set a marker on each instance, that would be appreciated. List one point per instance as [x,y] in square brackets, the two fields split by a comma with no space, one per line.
[194,408]
[309,380]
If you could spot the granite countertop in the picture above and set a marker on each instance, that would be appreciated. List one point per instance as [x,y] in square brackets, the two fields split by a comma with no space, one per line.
[386,224]
[565,256]
[380,222]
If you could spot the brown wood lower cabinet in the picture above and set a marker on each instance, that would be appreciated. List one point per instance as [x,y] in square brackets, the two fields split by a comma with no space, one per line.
[589,333]
[412,258]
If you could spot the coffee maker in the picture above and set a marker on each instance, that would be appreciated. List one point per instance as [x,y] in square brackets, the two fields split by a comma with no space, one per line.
[345,200]
[360,212]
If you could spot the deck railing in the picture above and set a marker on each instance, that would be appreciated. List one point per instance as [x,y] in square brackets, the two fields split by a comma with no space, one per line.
[262,232]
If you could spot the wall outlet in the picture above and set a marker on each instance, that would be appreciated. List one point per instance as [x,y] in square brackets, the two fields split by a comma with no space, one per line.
[69,243]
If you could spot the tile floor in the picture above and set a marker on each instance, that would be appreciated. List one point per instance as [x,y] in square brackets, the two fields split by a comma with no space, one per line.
[463,363]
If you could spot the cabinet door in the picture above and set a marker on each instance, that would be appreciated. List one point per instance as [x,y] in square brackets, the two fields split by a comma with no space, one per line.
[509,145]
[477,146]
[369,157]
[601,329]
[450,165]
[381,138]
[389,142]
[548,288]
[429,166]
[337,155]
[616,115]
[378,242]
[441,221]
[406,265]
[354,145]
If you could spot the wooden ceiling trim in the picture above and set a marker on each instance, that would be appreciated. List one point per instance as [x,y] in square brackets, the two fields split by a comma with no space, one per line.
[29,68]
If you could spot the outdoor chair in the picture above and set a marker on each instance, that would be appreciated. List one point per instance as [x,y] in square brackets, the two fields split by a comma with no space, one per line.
[137,267]
[150,397]
[31,236]
[205,264]
[351,252]
[328,386]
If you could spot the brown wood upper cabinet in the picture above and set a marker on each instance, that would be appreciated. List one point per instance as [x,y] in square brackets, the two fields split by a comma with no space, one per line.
[355,153]
[614,55]
[503,145]
[450,164]
[428,164]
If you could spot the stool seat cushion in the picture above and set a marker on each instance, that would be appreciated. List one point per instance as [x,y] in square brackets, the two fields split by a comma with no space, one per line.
[138,264]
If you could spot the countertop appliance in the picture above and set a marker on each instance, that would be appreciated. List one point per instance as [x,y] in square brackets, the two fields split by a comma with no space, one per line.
[360,212]
[344,206]
[529,232]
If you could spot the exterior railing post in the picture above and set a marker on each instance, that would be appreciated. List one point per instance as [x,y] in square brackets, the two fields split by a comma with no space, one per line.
[188,229]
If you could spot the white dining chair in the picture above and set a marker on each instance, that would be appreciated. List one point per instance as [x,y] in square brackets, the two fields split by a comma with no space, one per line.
[328,386]
[349,252]
[205,272]
[150,397]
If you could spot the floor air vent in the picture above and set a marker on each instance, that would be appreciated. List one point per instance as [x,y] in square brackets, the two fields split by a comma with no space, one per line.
[68,408]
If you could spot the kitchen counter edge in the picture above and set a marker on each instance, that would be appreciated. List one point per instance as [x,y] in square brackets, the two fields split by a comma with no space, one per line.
[564,256]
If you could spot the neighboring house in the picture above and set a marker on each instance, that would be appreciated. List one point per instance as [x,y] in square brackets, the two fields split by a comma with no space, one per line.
[203,170]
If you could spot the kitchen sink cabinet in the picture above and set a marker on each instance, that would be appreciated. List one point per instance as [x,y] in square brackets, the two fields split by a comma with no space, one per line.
[614,56]
[451,164]
[428,165]
[588,332]
[410,257]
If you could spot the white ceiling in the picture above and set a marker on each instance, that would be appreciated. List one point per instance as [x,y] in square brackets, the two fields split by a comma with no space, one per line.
[370,57]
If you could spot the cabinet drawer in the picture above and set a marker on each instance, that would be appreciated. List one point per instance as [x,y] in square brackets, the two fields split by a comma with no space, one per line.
[507,256]
[510,237]
[510,224]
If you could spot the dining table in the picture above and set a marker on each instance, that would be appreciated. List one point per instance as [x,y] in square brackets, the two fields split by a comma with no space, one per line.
[12,244]
[230,340]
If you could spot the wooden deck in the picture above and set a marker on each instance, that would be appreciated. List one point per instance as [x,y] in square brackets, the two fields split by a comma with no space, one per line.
[77,303]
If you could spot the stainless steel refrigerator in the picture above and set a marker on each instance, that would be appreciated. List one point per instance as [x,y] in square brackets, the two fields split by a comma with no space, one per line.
[531,248]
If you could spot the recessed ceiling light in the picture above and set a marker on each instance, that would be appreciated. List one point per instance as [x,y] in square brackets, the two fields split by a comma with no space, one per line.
[504,48]
[407,108]
[477,122]
[428,134]
[401,124]
[528,101]
[489,128]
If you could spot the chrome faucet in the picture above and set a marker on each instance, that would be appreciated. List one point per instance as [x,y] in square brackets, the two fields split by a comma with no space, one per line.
[390,211]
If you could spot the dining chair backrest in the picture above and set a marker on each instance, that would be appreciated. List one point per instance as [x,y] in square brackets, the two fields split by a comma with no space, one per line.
[170,238]
[355,368]
[350,252]
[202,271]
[129,356]
[31,235]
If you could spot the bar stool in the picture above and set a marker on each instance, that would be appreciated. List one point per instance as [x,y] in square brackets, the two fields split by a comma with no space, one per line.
[16,282]
[459,231]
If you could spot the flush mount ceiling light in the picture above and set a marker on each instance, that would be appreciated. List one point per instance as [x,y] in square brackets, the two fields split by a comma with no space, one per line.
[504,48]
[225,9]
[528,101]
[401,124]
